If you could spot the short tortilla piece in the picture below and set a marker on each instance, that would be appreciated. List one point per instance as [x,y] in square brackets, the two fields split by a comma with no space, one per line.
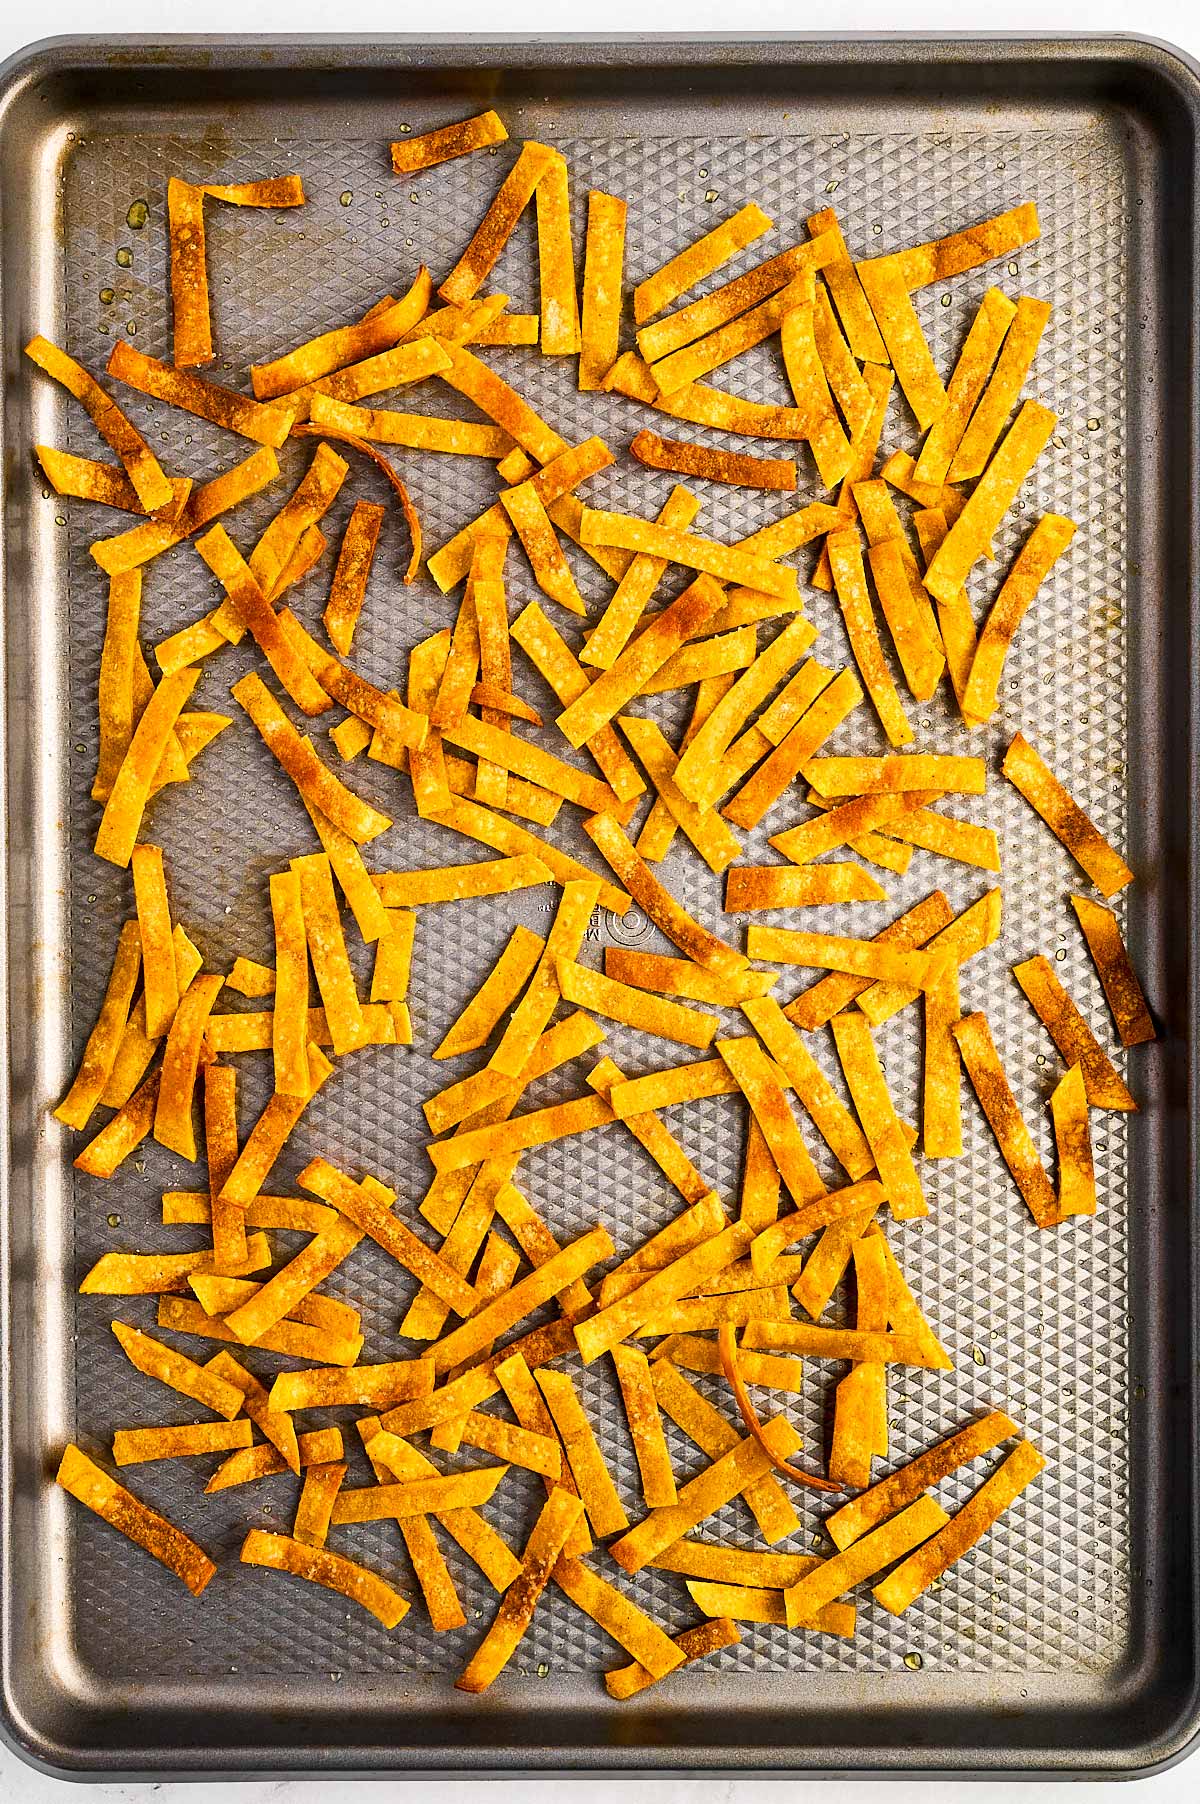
[694,1644]
[270,1132]
[411,155]
[758,1199]
[1076,1042]
[181,1059]
[494,397]
[327,951]
[115,687]
[745,1603]
[652,1134]
[90,479]
[980,349]
[905,607]
[849,580]
[529,1406]
[752,887]
[881,1125]
[645,1427]
[331,1570]
[657,902]
[189,274]
[157,1360]
[536,533]
[725,562]
[887,289]
[1003,390]
[134,1446]
[559,1516]
[698,260]
[349,587]
[628,1626]
[635,1008]
[250,1464]
[941,1101]
[322,1482]
[90,1485]
[841,276]
[507,329]
[415,431]
[634,591]
[945,835]
[968,1526]
[274,1424]
[726,1478]
[313,1307]
[499,990]
[533,1013]
[701,405]
[100,1052]
[118,1138]
[737,468]
[880,1547]
[717,655]
[498,223]
[976,928]
[846,824]
[316,783]
[1027,771]
[354,880]
[429,1567]
[142,467]
[251,1030]
[1072,1136]
[1117,976]
[731,302]
[1045,544]
[131,787]
[128,550]
[998,1103]
[819,721]
[990,501]
[827,1264]
[680,977]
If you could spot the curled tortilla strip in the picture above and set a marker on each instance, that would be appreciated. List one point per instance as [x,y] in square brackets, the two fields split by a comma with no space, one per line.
[734,467]
[331,1570]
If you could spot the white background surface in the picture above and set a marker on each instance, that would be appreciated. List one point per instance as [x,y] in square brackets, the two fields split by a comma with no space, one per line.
[1178,21]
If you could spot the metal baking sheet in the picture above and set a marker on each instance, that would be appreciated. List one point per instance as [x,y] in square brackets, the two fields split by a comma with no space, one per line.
[1068,1639]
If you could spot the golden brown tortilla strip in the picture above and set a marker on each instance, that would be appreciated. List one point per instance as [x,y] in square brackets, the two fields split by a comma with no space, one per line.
[250,1464]
[252,612]
[130,792]
[849,580]
[498,223]
[412,155]
[251,1030]
[89,479]
[293,1337]
[1117,976]
[734,299]
[629,1627]
[700,259]
[416,431]
[553,482]
[90,1485]
[645,1427]
[290,1017]
[909,1482]
[831,449]
[298,758]
[976,928]
[971,247]
[941,1107]
[181,1059]
[134,1446]
[899,469]
[657,902]
[506,329]
[756,1078]
[872,1099]
[189,274]
[737,468]
[349,587]
[99,1054]
[279,1295]
[947,773]
[694,1644]
[331,1570]
[747,1603]
[378,331]
[817,1589]
[142,467]
[877,959]
[266,425]
[635,1008]
[1029,774]
[1045,544]
[592,1478]
[157,1360]
[499,990]
[494,397]
[701,771]
[536,533]
[560,334]
[1074,1039]
[327,951]
[726,562]
[322,1482]
[863,445]
[680,977]
[1073,1139]
[841,276]
[753,887]
[641,659]
[968,1525]
[623,1318]
[1003,390]
[636,587]
[980,349]
[559,1516]
[717,655]
[886,287]
[704,828]
[998,1103]
[829,1114]
[515,842]
[846,381]
[603,267]
[701,405]
[119,707]
[836,701]
[990,500]
[692,361]
[429,1567]
[457,882]
[270,1133]
[368,1207]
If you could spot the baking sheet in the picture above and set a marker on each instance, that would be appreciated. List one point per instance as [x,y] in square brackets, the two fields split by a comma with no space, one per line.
[1038,1324]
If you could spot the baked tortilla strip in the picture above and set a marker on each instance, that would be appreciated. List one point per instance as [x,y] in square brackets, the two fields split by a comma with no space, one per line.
[698,358]
[694,1644]
[560,333]
[747,1603]
[142,467]
[623,1318]
[181,1059]
[846,381]
[593,1481]
[761,1184]
[819,721]
[652,1134]
[976,928]
[846,824]
[1028,772]
[613,630]
[966,1527]
[1003,390]
[829,1114]
[999,236]
[946,773]
[1041,550]
[298,758]
[941,1103]
[99,1054]
[412,155]
[1117,976]
[731,301]
[119,700]
[658,830]
[705,829]
[830,447]
[642,657]
[886,288]
[840,952]
[553,482]
[880,1547]
[998,1103]
[752,887]
[559,1516]
[700,774]
[536,1288]
[849,580]
[841,276]
[538,1128]
[700,259]
[90,1485]
[725,562]
[909,1482]
[701,405]
[514,841]
[122,818]
[756,1078]
[990,500]
[645,1427]
[349,586]
[657,902]
[628,1626]
[331,1570]
[1076,1042]
[980,349]
[528,760]
[416,431]
[139,544]
[1073,1140]
[498,223]
[739,469]
[680,977]
[603,263]
[553,659]
[367,1206]
[266,425]
[635,1008]
[377,331]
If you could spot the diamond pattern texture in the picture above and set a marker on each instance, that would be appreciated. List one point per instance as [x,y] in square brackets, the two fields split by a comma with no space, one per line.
[1036,1323]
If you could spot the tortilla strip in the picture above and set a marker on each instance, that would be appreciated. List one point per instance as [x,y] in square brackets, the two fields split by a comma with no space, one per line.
[550,568]
[904,1486]
[858,322]
[297,1338]
[122,817]
[829,1114]
[945,773]
[130,549]
[530,761]
[863,446]
[270,1133]
[377,331]
[705,829]
[507,837]
[645,1427]
[252,612]
[717,655]
[412,155]
[99,1054]
[458,882]
[593,1481]
[996,1099]
[1003,390]
[753,887]
[499,990]
[971,247]
[612,631]
[136,1050]
[498,223]
[115,688]
[121,1136]
[696,1354]
[249,1464]
[157,1360]
[980,349]
[846,565]
[181,1058]
[680,977]
[701,405]
[494,397]
[845,379]
[429,1409]
[701,773]
[1029,774]
[332,1570]
[559,476]
[883,1545]
[700,259]
[145,1274]
[417,431]
[189,274]
[941,1108]
[899,469]
[89,479]
[429,1567]
[968,1526]
[506,329]
[771,1241]
[1115,971]
[641,659]
[90,1485]
[1076,1042]
[968,933]
[706,556]
[745,1603]
[872,1099]
[536,1288]
[756,1078]
[778,771]
[251,1030]
[831,449]
[1073,1139]
[348,589]
[298,758]
[153,490]
[1045,544]
[887,289]
[322,1481]
[538,1128]
[559,1516]
[368,1207]
[839,952]
[327,951]
[726,1478]
[737,468]
[266,425]
[279,1295]
[135,1446]
[694,1644]
[758,1199]
[633,1007]
[624,1317]
[290,1018]
[560,334]
[944,834]
[657,902]
[990,500]
[658,830]
[412,359]
[710,331]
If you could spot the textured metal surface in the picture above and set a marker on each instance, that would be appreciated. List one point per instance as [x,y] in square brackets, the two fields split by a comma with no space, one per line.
[1050,1607]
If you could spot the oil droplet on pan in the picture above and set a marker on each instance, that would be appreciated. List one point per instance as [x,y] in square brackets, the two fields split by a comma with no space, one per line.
[114,1221]
[107,296]
[914,1662]
[137,215]
[125,258]
[346,198]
